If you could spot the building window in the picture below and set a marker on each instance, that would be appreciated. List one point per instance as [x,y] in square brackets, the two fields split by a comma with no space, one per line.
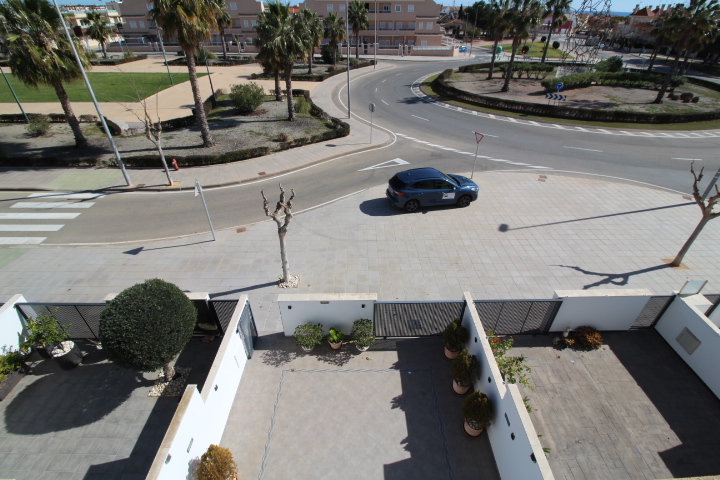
[342,7]
[423,43]
[149,6]
[133,25]
[330,8]
[411,8]
[238,23]
[398,8]
[254,23]
[233,6]
[246,23]
[390,25]
[429,25]
[386,8]
[382,25]
[142,24]
[411,25]
[398,25]
[420,25]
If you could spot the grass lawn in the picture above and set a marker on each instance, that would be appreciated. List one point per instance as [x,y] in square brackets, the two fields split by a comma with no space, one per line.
[108,87]
[535,51]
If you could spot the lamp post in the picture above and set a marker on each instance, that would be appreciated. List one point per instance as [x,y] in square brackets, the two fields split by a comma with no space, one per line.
[214,100]
[376,44]
[92,94]
[162,47]
[14,96]
[347,34]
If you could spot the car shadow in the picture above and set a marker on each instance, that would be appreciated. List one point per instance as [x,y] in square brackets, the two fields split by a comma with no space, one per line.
[379,207]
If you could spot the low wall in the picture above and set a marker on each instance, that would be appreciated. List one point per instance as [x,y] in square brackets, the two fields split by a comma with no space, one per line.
[605,310]
[200,418]
[694,337]
[11,325]
[515,444]
[338,310]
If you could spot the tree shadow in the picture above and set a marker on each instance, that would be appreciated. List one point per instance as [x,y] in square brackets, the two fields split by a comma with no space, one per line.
[244,289]
[278,358]
[619,279]
[337,358]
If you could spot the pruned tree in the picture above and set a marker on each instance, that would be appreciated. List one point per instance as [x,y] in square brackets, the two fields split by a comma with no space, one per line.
[706,206]
[282,217]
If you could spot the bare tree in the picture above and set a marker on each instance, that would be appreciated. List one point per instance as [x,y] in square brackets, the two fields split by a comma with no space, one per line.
[282,216]
[706,206]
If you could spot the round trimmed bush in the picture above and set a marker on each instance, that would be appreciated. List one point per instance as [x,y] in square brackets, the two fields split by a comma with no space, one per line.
[217,463]
[556,45]
[147,325]
[247,97]
[39,125]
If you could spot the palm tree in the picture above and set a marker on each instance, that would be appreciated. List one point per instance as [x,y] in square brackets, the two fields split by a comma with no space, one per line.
[99,30]
[190,22]
[358,19]
[39,52]
[223,20]
[335,31]
[523,15]
[268,30]
[497,27]
[315,32]
[557,9]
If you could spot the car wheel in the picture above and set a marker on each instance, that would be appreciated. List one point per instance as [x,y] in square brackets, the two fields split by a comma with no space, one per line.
[411,205]
[464,201]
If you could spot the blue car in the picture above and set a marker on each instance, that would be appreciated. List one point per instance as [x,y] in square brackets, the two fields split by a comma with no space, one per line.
[463,49]
[427,187]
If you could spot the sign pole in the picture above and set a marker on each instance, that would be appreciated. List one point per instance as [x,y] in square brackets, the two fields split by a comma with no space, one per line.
[478,139]
[372,109]
[198,189]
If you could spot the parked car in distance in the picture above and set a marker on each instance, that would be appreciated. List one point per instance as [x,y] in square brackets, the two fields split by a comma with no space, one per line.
[427,187]
[463,49]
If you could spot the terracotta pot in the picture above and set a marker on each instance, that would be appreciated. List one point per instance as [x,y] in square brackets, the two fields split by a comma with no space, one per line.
[471,432]
[335,346]
[459,389]
[449,354]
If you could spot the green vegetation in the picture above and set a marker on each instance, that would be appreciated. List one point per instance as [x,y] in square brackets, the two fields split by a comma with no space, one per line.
[536,50]
[246,97]
[612,64]
[630,79]
[217,463]
[39,125]
[108,87]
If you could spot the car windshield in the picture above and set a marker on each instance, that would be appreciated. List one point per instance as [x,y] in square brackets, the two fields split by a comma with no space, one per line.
[451,180]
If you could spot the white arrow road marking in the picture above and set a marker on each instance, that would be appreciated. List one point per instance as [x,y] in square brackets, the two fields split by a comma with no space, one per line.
[21,240]
[30,228]
[52,205]
[390,163]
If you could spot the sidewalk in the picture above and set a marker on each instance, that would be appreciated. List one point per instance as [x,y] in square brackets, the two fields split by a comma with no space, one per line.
[64,179]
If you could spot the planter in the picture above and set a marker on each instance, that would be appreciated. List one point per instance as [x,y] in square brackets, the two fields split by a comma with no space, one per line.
[335,346]
[460,389]
[361,349]
[45,351]
[449,354]
[307,350]
[69,356]
[470,431]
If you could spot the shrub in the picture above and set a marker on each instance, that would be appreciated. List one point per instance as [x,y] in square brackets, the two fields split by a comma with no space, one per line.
[302,106]
[363,333]
[588,338]
[91,55]
[10,361]
[246,97]
[43,330]
[354,62]
[513,369]
[128,55]
[465,368]
[447,73]
[455,335]
[477,410]
[543,39]
[686,97]
[335,336]
[326,54]
[147,325]
[556,45]
[216,463]
[612,64]
[283,137]
[308,335]
[203,55]
[39,125]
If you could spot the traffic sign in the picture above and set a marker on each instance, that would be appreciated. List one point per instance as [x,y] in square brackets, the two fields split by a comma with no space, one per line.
[372,107]
[555,96]
[559,86]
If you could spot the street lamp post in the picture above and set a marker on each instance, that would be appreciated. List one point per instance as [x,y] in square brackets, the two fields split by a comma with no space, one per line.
[92,94]
[376,44]
[347,34]
[14,96]
[162,47]
[214,100]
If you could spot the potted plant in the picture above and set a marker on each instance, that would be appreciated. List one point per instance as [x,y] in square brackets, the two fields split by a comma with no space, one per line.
[308,335]
[454,336]
[363,334]
[464,369]
[335,338]
[477,411]
[44,333]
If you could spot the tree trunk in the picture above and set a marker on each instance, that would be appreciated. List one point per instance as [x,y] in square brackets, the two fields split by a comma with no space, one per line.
[224,44]
[666,82]
[200,117]
[168,372]
[684,66]
[492,61]
[283,255]
[547,44]
[509,71]
[158,147]
[288,87]
[80,140]
[104,50]
[357,46]
[334,57]
[310,61]
[653,56]
[278,90]
[681,254]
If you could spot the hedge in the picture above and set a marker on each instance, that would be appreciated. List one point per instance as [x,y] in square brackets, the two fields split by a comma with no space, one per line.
[632,79]
[541,109]
[315,77]
[244,60]
[53,117]
[117,61]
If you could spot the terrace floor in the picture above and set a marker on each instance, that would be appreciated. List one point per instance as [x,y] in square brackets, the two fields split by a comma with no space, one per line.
[630,410]
[388,413]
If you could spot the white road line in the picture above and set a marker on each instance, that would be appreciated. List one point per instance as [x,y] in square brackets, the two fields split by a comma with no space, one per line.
[689,159]
[386,103]
[421,118]
[536,166]
[383,81]
[21,240]
[586,149]
[488,135]
[66,196]
[30,228]
[38,216]
[52,205]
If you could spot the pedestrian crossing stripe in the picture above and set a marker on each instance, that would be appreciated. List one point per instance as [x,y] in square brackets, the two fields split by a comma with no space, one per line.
[49,205]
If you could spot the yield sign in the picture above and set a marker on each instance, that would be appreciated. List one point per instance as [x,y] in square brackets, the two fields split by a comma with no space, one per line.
[390,163]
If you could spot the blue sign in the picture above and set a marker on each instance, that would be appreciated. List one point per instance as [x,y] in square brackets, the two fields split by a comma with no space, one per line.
[559,86]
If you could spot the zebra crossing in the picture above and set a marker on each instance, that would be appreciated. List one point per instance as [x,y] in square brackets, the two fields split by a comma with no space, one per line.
[41,207]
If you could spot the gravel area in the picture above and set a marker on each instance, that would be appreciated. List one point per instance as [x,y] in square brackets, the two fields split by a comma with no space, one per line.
[605,97]
[231,133]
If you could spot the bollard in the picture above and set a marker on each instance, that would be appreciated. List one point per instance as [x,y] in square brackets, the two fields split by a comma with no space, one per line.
[175,165]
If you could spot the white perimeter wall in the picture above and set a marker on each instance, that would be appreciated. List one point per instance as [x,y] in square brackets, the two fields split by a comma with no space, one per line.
[513,457]
[715,316]
[201,416]
[608,310]
[331,310]
[683,313]
[11,325]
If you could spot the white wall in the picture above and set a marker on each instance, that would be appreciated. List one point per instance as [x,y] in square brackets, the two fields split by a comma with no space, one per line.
[201,416]
[11,325]
[608,310]
[683,313]
[512,456]
[337,310]
[715,316]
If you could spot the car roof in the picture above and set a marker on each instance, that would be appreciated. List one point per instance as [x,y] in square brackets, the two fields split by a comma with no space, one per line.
[416,174]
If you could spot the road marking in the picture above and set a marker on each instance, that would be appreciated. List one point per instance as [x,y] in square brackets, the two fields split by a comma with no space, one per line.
[21,240]
[30,228]
[419,117]
[586,149]
[689,159]
[38,216]
[67,196]
[52,205]
[375,89]
[383,81]
[390,163]
[386,103]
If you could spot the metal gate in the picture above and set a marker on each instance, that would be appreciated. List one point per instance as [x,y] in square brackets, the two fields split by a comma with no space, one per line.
[653,310]
[247,330]
[414,319]
[517,317]
[82,320]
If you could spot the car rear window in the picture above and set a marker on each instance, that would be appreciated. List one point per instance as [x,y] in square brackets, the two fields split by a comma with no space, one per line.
[396,183]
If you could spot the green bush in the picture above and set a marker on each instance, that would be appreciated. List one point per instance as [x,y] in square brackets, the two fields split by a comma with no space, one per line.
[632,79]
[246,97]
[147,325]
[10,361]
[39,125]
[308,335]
[128,55]
[477,410]
[455,335]
[354,62]
[302,106]
[556,45]
[326,54]
[203,55]
[465,368]
[363,333]
[43,330]
[612,64]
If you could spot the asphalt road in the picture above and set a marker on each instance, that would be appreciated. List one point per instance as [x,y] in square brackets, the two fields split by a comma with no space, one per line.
[425,135]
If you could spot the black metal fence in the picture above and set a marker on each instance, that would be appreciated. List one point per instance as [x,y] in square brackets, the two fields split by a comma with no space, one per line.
[248,330]
[414,319]
[82,319]
[517,317]
[654,308]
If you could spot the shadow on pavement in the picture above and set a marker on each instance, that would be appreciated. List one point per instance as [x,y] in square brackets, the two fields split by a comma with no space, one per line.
[379,207]
[619,279]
